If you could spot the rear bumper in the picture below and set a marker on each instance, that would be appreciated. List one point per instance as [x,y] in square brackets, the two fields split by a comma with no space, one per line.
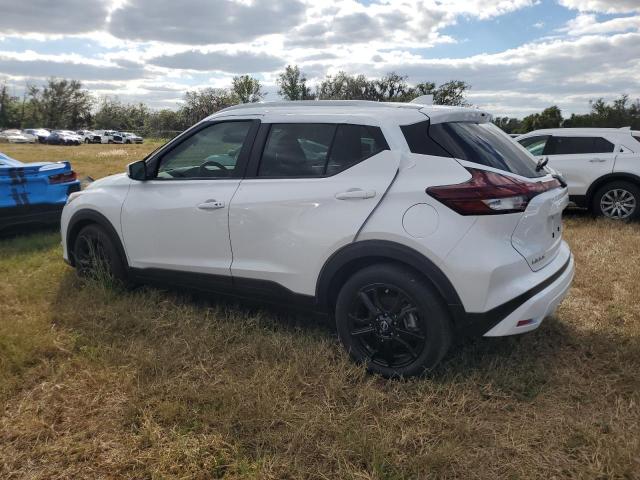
[531,306]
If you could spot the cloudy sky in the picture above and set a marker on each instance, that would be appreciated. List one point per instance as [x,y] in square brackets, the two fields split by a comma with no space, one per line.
[519,55]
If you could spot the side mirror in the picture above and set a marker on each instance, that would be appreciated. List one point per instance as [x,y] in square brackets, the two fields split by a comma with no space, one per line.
[137,170]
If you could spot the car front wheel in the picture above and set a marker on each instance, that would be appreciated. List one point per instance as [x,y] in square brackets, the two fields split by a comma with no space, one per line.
[618,200]
[96,255]
[391,320]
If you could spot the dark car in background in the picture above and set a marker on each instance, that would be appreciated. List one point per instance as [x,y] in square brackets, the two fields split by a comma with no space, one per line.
[41,133]
[60,137]
[34,192]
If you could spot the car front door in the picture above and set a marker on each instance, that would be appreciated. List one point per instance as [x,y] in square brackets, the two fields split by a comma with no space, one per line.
[309,189]
[178,218]
[581,160]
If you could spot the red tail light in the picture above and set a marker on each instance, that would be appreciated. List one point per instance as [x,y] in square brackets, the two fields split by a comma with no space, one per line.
[489,193]
[63,177]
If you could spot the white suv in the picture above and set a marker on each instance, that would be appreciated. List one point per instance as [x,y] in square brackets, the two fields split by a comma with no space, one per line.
[601,166]
[409,224]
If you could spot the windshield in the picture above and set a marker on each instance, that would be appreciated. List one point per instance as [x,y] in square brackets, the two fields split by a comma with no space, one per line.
[486,144]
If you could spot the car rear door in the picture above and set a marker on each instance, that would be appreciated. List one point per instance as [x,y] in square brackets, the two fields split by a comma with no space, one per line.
[310,187]
[580,159]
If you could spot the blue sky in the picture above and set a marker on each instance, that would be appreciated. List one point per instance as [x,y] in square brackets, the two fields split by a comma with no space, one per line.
[519,56]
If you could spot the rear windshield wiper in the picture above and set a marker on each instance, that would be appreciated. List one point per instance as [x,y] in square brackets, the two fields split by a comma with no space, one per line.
[542,163]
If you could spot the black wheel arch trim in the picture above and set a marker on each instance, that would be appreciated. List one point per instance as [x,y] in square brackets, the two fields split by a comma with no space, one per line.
[389,251]
[610,177]
[87,216]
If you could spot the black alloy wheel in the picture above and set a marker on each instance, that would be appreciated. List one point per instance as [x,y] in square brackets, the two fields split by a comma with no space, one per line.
[96,256]
[390,318]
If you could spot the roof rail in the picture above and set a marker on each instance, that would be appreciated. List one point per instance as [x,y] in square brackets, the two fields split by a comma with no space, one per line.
[321,103]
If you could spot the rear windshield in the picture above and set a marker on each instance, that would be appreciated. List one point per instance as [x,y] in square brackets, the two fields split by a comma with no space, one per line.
[486,144]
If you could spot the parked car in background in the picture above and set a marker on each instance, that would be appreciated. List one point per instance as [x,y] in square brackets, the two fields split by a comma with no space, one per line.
[87,136]
[126,137]
[14,136]
[409,224]
[601,166]
[34,192]
[106,136]
[63,137]
[40,133]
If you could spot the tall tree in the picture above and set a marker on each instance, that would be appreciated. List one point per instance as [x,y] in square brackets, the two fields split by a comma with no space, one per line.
[292,84]
[60,103]
[247,89]
[113,114]
[549,118]
[199,104]
[8,108]
[393,88]
[343,86]
[451,93]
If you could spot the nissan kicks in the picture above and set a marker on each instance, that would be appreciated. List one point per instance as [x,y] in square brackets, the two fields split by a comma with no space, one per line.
[408,224]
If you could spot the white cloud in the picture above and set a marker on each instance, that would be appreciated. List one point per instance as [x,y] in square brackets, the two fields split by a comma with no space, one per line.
[61,16]
[603,6]
[153,51]
[588,24]
[201,22]
[222,61]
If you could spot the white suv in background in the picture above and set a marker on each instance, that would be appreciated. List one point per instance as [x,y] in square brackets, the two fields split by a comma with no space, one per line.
[601,166]
[409,224]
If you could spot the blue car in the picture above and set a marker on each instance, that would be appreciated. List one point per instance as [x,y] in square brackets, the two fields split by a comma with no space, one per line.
[34,192]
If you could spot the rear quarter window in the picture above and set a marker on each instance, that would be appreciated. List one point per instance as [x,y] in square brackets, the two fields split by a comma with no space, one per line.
[485,144]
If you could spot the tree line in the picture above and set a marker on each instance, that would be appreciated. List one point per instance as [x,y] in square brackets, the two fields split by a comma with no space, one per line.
[621,112]
[66,104]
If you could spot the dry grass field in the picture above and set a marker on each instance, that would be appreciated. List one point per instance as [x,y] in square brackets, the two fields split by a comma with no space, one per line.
[101,383]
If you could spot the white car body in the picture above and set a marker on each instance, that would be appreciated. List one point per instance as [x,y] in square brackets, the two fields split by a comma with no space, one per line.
[126,138]
[285,234]
[86,135]
[39,134]
[15,136]
[106,136]
[614,156]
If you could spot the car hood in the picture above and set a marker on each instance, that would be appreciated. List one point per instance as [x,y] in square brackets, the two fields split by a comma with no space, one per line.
[117,179]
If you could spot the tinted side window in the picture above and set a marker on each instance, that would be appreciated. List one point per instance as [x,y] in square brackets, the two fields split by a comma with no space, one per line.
[352,144]
[637,137]
[296,150]
[485,144]
[419,141]
[535,145]
[602,145]
[578,145]
[209,153]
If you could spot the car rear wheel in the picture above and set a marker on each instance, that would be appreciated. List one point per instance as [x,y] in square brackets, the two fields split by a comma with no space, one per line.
[618,200]
[96,255]
[391,320]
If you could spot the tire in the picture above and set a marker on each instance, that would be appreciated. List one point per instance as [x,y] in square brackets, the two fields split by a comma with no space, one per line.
[86,140]
[96,255]
[392,321]
[618,200]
